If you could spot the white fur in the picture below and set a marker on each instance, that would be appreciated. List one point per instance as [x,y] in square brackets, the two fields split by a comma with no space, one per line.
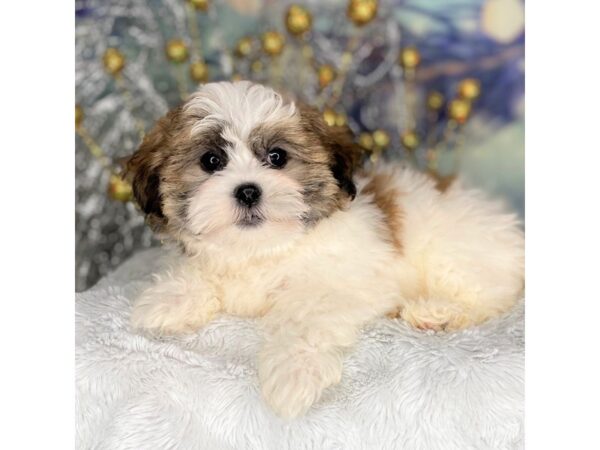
[465,253]
[243,105]
[237,109]
[462,261]
[401,388]
[214,214]
[314,288]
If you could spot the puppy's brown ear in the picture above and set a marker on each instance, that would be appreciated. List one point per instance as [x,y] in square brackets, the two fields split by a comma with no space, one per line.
[144,167]
[346,155]
[346,158]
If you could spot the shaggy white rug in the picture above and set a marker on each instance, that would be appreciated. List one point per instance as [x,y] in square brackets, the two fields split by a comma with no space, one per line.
[401,388]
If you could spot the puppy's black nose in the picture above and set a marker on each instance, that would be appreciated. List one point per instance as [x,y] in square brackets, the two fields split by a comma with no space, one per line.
[247,194]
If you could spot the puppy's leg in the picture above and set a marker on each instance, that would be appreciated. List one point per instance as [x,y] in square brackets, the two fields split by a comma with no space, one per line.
[435,314]
[305,339]
[467,255]
[178,302]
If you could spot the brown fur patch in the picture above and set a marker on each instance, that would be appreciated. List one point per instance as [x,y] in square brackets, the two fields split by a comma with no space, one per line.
[143,169]
[322,158]
[442,182]
[156,170]
[386,199]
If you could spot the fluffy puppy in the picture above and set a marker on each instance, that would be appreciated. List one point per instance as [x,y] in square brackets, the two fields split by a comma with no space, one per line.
[273,221]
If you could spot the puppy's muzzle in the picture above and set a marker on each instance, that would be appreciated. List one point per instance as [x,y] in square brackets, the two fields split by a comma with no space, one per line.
[247,194]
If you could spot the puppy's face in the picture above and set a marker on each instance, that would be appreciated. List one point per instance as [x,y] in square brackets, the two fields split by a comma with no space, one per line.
[237,165]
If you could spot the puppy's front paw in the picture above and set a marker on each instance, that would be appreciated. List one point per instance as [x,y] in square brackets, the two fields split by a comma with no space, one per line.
[172,313]
[291,381]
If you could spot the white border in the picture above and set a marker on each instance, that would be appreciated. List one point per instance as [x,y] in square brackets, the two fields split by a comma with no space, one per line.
[37,224]
[37,230]
[562,225]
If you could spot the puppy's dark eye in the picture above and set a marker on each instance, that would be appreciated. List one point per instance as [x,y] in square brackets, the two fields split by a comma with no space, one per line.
[277,157]
[211,162]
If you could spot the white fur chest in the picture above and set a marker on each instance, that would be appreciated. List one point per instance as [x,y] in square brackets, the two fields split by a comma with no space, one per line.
[339,254]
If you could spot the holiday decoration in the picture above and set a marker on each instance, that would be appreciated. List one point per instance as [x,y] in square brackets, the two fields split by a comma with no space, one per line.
[410,58]
[381,139]
[435,100]
[78,116]
[334,118]
[375,143]
[176,50]
[459,110]
[244,46]
[409,140]
[119,189]
[257,66]
[361,12]
[199,72]
[298,20]
[113,61]
[326,75]
[365,140]
[341,119]
[469,89]
[412,80]
[199,5]
[273,43]
[329,116]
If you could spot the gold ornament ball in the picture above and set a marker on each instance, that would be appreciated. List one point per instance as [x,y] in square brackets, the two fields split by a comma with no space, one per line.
[381,138]
[199,72]
[341,119]
[375,154]
[365,140]
[435,101]
[119,189]
[244,47]
[199,5]
[459,110]
[410,140]
[113,61]
[329,116]
[298,20]
[410,58]
[346,59]
[257,66]
[361,12]
[273,43]
[177,51]
[469,89]
[78,116]
[326,75]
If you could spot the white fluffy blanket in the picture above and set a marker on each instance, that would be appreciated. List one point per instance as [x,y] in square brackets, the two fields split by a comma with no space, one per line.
[401,388]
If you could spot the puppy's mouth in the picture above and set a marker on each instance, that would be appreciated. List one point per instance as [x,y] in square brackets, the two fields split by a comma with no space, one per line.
[250,219]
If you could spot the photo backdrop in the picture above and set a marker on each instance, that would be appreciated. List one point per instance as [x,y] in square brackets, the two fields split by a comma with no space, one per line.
[437,83]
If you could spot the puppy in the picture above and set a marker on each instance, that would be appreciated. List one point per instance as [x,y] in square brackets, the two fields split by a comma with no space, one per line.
[275,222]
